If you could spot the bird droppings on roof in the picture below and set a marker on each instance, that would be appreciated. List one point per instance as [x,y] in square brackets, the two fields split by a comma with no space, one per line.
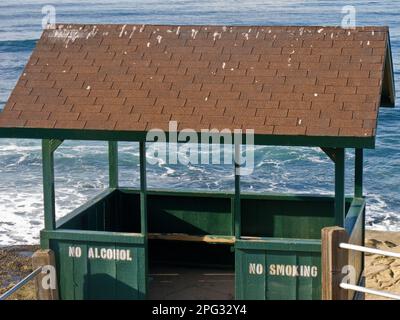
[312,81]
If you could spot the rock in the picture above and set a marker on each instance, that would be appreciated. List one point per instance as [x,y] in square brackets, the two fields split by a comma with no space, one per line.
[390,244]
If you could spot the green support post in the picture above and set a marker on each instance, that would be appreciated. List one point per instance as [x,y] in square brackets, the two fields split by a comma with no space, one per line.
[143,210]
[358,173]
[143,188]
[237,209]
[340,187]
[48,148]
[113,163]
[358,188]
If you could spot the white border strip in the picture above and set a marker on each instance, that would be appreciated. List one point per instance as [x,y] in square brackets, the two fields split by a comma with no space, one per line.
[370,291]
[369,250]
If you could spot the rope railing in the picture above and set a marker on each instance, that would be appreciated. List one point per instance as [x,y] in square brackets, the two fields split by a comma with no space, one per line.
[348,286]
[369,250]
[353,287]
[20,284]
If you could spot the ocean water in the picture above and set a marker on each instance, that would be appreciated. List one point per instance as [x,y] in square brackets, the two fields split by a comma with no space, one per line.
[81,167]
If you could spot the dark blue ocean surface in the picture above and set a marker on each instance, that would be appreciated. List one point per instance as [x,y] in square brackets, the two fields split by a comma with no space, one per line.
[81,167]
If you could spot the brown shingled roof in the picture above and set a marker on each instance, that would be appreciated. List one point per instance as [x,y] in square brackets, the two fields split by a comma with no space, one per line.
[296,81]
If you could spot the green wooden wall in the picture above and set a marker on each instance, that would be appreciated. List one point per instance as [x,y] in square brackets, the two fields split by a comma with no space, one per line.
[200,214]
[267,272]
[288,228]
[85,278]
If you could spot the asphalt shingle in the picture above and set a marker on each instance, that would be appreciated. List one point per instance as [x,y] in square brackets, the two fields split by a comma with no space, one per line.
[315,81]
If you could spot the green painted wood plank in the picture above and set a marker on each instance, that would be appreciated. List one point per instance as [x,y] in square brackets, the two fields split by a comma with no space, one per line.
[276,217]
[94,236]
[239,292]
[280,287]
[309,288]
[96,275]
[249,284]
[357,207]
[54,144]
[276,274]
[142,270]
[143,216]
[65,269]
[237,206]
[282,218]
[91,219]
[190,215]
[44,242]
[80,274]
[232,215]
[280,244]
[224,194]
[113,163]
[101,276]
[143,188]
[128,273]
[48,185]
[340,187]
[358,173]
[87,205]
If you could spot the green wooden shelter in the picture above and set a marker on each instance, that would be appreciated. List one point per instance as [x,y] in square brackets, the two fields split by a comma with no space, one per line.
[294,86]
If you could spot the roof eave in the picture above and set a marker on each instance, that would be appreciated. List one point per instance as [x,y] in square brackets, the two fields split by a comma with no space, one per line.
[367,142]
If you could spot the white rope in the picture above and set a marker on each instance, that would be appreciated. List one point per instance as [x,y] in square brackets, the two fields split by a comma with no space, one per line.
[372,251]
[347,286]
[369,250]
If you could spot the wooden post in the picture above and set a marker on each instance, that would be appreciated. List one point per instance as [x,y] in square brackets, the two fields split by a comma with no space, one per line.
[339,188]
[358,173]
[48,185]
[45,283]
[237,209]
[333,260]
[113,164]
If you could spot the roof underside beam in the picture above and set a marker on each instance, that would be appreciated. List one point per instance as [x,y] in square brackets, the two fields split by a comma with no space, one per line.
[330,152]
[367,142]
[53,144]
